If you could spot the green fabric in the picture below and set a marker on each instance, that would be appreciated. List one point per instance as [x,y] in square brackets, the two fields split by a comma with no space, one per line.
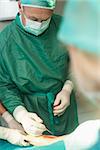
[56,146]
[30,68]
[49,4]
[53,119]
[4,145]
[50,97]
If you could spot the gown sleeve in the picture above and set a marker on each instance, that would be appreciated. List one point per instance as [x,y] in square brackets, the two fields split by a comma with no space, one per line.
[9,93]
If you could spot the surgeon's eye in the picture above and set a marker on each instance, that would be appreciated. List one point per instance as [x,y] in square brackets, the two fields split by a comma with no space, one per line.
[33,19]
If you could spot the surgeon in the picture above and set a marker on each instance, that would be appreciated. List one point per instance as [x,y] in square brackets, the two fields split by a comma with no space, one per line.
[34,71]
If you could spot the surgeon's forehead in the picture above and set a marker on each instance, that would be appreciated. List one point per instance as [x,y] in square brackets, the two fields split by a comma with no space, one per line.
[37,11]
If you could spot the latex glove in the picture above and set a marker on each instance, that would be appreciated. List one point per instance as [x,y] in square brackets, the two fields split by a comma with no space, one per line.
[13,136]
[31,123]
[62,100]
[11,122]
[84,137]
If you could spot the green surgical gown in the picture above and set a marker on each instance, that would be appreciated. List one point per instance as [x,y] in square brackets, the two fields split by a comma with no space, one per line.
[33,70]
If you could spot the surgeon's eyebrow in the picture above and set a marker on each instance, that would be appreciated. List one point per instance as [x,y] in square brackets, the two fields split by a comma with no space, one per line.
[36,19]
[33,18]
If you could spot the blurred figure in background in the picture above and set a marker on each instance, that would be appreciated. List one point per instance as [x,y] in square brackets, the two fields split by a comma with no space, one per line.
[80,32]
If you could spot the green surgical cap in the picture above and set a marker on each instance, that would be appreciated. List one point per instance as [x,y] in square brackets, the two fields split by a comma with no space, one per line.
[47,4]
[81,25]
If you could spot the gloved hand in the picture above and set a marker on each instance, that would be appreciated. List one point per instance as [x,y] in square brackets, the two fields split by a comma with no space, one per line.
[13,136]
[62,100]
[11,122]
[31,123]
[84,137]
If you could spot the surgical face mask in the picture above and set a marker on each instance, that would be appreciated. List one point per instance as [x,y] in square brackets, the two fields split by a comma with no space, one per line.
[35,27]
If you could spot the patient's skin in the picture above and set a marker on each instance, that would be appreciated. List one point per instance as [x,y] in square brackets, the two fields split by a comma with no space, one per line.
[2,109]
